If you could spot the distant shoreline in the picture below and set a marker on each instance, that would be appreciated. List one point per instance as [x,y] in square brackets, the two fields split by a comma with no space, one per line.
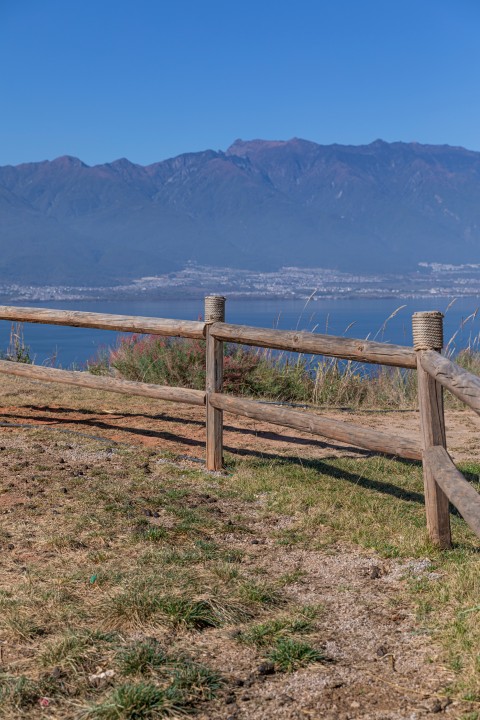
[114,296]
[193,282]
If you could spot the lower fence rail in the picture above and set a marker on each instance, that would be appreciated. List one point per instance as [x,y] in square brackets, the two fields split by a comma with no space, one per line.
[96,382]
[333,429]
[458,490]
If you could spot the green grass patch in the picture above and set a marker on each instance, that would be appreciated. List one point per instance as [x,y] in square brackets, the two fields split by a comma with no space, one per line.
[142,658]
[137,701]
[289,654]
[176,685]
[266,633]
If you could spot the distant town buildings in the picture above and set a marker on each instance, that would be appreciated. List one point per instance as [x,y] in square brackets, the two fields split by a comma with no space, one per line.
[287,283]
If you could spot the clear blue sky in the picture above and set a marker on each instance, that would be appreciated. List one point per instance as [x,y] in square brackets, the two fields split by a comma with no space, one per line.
[149,79]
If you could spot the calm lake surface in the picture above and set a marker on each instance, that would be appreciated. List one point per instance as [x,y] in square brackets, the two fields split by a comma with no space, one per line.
[356,318]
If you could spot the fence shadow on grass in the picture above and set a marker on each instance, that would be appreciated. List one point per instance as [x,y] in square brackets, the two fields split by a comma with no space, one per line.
[324,468]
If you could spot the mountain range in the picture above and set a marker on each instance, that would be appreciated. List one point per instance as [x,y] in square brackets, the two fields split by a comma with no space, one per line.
[382,207]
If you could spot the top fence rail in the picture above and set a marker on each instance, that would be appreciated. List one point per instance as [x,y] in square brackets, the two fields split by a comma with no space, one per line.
[316,344]
[122,323]
[303,342]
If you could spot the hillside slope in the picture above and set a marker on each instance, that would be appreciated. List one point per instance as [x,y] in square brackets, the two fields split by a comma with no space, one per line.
[262,204]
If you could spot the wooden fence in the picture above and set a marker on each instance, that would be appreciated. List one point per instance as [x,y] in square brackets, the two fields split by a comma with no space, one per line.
[442,481]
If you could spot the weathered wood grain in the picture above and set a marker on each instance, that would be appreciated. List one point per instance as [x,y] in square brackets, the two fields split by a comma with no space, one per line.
[460,493]
[334,429]
[214,384]
[214,311]
[86,380]
[305,342]
[122,323]
[461,383]
[432,425]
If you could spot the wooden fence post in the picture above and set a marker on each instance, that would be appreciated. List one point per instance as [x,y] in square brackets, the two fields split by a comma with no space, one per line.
[214,312]
[428,335]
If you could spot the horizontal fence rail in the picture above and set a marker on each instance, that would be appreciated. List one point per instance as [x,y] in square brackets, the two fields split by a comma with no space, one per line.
[123,323]
[458,490]
[326,427]
[98,382]
[316,344]
[461,383]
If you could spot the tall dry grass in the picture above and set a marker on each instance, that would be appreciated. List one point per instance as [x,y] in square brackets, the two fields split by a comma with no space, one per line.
[260,373]
[325,382]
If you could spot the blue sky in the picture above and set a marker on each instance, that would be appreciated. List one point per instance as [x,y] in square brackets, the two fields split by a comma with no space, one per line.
[150,79]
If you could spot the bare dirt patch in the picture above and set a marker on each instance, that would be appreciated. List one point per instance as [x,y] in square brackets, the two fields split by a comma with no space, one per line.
[378,666]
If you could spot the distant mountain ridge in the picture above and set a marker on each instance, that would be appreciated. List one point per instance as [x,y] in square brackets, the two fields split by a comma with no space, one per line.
[382,207]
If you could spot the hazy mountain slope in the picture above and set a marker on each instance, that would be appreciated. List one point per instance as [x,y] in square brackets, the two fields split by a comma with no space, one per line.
[382,207]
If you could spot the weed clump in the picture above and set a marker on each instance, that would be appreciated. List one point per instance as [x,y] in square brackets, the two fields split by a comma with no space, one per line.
[137,605]
[162,685]
[142,658]
[179,362]
[17,350]
[264,634]
[135,701]
[289,654]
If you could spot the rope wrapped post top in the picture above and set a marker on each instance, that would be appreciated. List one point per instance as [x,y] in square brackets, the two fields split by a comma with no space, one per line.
[214,309]
[427,330]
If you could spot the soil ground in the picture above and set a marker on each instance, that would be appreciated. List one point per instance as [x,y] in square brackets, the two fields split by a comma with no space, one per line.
[381,664]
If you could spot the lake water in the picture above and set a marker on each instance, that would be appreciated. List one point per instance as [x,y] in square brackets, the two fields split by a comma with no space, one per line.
[356,318]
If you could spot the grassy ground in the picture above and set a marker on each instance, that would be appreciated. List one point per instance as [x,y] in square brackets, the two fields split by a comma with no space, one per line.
[377,504]
[134,585]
